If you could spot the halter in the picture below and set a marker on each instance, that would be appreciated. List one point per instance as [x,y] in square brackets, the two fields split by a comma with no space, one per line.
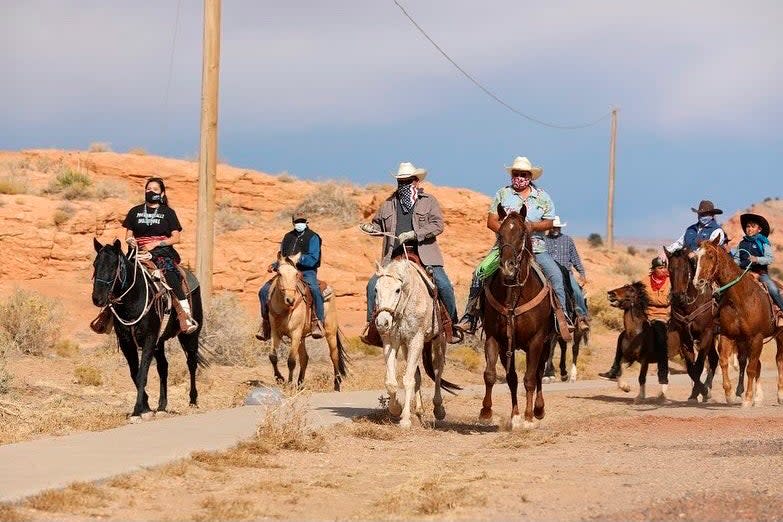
[393,311]
[685,298]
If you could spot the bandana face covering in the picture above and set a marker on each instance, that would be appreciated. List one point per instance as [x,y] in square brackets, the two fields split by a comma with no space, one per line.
[406,194]
[705,220]
[520,183]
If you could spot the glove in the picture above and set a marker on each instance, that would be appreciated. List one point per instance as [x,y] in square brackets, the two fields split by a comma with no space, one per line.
[368,228]
[406,236]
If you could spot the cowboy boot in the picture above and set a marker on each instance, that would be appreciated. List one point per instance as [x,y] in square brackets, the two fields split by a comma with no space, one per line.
[316,330]
[103,323]
[614,371]
[370,335]
[187,324]
[468,322]
[264,329]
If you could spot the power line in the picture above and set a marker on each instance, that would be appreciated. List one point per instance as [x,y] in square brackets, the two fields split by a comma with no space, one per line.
[164,127]
[492,94]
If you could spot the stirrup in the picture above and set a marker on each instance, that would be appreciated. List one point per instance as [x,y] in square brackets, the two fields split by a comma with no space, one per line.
[466,325]
[190,326]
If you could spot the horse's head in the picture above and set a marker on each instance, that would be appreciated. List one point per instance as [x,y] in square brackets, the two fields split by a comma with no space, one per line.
[629,296]
[707,259]
[108,268]
[287,275]
[514,243]
[389,290]
[681,270]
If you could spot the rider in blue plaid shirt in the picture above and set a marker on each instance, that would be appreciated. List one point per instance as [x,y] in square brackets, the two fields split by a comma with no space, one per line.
[561,247]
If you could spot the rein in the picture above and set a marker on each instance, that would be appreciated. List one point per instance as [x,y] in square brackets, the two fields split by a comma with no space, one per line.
[121,274]
[736,280]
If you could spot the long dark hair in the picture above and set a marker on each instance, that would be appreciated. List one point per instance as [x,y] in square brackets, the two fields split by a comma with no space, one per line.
[164,200]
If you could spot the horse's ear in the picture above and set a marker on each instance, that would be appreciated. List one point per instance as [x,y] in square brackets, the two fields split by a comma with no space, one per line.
[295,258]
[716,241]
[96,244]
[117,245]
[501,212]
[666,251]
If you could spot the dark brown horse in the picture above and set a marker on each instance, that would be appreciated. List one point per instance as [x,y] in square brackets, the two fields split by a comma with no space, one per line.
[517,315]
[693,322]
[580,335]
[745,316]
[637,340]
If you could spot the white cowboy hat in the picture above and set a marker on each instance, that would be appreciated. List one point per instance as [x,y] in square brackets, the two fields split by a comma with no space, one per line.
[407,170]
[522,163]
[557,222]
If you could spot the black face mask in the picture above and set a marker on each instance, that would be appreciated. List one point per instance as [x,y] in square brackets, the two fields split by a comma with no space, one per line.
[152,197]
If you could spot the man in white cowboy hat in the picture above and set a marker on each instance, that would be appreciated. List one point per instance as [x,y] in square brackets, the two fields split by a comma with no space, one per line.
[415,219]
[540,216]
[562,248]
[705,228]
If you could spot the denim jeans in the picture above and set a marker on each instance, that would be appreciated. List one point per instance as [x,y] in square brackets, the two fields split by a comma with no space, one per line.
[774,292]
[445,292]
[579,296]
[311,278]
[555,276]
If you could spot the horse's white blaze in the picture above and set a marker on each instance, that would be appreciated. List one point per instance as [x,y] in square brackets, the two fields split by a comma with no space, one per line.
[697,273]
[573,373]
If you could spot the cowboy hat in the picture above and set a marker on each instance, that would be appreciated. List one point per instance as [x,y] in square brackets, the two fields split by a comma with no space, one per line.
[706,207]
[298,216]
[523,164]
[556,223]
[407,170]
[759,220]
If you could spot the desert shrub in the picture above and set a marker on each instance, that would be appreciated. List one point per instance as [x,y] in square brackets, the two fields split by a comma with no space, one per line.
[74,499]
[62,214]
[228,219]
[13,184]
[137,151]
[99,146]
[594,240]
[285,177]
[354,345]
[601,311]
[31,320]
[329,201]
[66,348]
[624,268]
[88,375]
[228,332]
[70,184]
[286,427]
[110,188]
[632,251]
[5,377]
[466,357]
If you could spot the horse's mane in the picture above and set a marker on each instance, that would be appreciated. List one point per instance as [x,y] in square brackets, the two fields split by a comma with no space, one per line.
[641,304]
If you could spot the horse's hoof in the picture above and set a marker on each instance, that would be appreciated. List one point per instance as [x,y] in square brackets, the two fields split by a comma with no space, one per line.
[134,419]
[564,378]
[193,405]
[638,399]
[662,399]
[746,404]
[729,399]
[529,425]
[538,413]
[572,379]
[439,412]
[279,380]
[405,424]
[395,408]
[693,400]
[516,422]
[162,413]
[485,416]
[147,415]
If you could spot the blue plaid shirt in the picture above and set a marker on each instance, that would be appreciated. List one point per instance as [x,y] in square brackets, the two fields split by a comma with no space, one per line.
[563,249]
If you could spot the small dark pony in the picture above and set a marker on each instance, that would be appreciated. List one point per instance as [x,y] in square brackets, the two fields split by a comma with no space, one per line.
[637,340]
[518,314]
[580,335]
[693,322]
[141,323]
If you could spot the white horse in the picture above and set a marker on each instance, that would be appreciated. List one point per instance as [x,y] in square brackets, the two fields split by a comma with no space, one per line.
[406,320]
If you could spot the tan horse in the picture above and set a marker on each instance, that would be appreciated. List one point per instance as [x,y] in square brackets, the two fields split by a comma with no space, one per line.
[289,315]
[745,317]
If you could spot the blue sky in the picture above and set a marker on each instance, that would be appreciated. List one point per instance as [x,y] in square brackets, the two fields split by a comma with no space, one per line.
[348,89]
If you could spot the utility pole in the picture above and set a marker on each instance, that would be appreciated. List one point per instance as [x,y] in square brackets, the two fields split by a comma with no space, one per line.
[610,204]
[207,158]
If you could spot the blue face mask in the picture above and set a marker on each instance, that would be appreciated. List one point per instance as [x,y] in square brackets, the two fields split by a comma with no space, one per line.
[705,220]
[299,227]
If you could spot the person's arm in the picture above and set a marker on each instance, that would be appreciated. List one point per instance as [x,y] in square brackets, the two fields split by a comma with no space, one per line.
[433,225]
[677,245]
[309,259]
[576,260]
[765,259]
[129,238]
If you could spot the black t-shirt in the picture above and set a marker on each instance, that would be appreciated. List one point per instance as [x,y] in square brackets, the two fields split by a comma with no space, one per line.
[145,221]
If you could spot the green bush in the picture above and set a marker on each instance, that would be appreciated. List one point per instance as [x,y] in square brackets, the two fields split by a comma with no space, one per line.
[31,320]
[594,240]
[71,184]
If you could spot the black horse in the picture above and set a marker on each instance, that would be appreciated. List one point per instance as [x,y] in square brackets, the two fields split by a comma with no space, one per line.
[580,334]
[142,322]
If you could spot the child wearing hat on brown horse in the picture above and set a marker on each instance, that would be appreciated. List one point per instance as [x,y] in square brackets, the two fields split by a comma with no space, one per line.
[755,253]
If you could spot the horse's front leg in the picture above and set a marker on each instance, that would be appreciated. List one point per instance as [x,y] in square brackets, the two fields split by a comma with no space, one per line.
[490,376]
[508,361]
[643,366]
[297,338]
[725,349]
[753,395]
[742,364]
[390,356]
[275,350]
[131,354]
[163,374]
[439,353]
[563,348]
[575,354]
[533,380]
[415,346]
[147,352]
[538,408]
[303,360]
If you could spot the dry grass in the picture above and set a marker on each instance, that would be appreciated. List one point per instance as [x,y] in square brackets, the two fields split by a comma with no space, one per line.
[604,314]
[286,427]
[624,267]
[329,201]
[431,497]
[5,377]
[466,357]
[70,184]
[228,332]
[99,146]
[249,454]
[138,151]
[66,348]
[354,346]
[178,468]
[87,375]
[31,320]
[525,439]
[14,184]
[285,177]
[364,428]
[110,188]
[217,509]
[62,214]
[9,513]
[228,219]
[73,499]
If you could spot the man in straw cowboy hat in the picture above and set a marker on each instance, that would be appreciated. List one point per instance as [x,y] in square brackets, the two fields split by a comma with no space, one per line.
[540,217]
[414,218]
[301,240]
[705,228]
[754,249]
[562,248]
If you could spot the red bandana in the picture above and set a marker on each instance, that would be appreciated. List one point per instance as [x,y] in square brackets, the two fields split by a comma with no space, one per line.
[657,283]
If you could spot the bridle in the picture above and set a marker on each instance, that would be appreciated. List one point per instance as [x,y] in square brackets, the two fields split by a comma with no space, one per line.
[393,311]
[517,261]
[683,296]
[121,274]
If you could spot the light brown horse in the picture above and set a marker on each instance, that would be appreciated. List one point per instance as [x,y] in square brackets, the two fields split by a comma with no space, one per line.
[289,315]
[745,317]
[518,314]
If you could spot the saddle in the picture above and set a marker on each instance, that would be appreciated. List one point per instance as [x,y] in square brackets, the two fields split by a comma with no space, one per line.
[777,313]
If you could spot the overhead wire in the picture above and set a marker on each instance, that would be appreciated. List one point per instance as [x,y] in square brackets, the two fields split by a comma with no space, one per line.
[491,94]
[164,112]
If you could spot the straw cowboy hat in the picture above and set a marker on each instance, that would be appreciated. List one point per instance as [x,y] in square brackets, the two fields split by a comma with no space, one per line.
[755,218]
[706,207]
[523,164]
[557,223]
[407,170]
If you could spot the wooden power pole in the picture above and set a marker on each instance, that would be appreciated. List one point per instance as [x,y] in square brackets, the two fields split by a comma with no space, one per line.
[207,158]
[610,204]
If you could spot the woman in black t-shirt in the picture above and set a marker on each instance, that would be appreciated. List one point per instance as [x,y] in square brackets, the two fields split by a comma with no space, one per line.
[153,227]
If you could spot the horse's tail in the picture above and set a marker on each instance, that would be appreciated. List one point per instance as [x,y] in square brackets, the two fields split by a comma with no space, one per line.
[429,368]
[202,359]
[343,359]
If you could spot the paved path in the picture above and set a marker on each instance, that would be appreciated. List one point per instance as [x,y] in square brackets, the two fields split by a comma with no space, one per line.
[30,467]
